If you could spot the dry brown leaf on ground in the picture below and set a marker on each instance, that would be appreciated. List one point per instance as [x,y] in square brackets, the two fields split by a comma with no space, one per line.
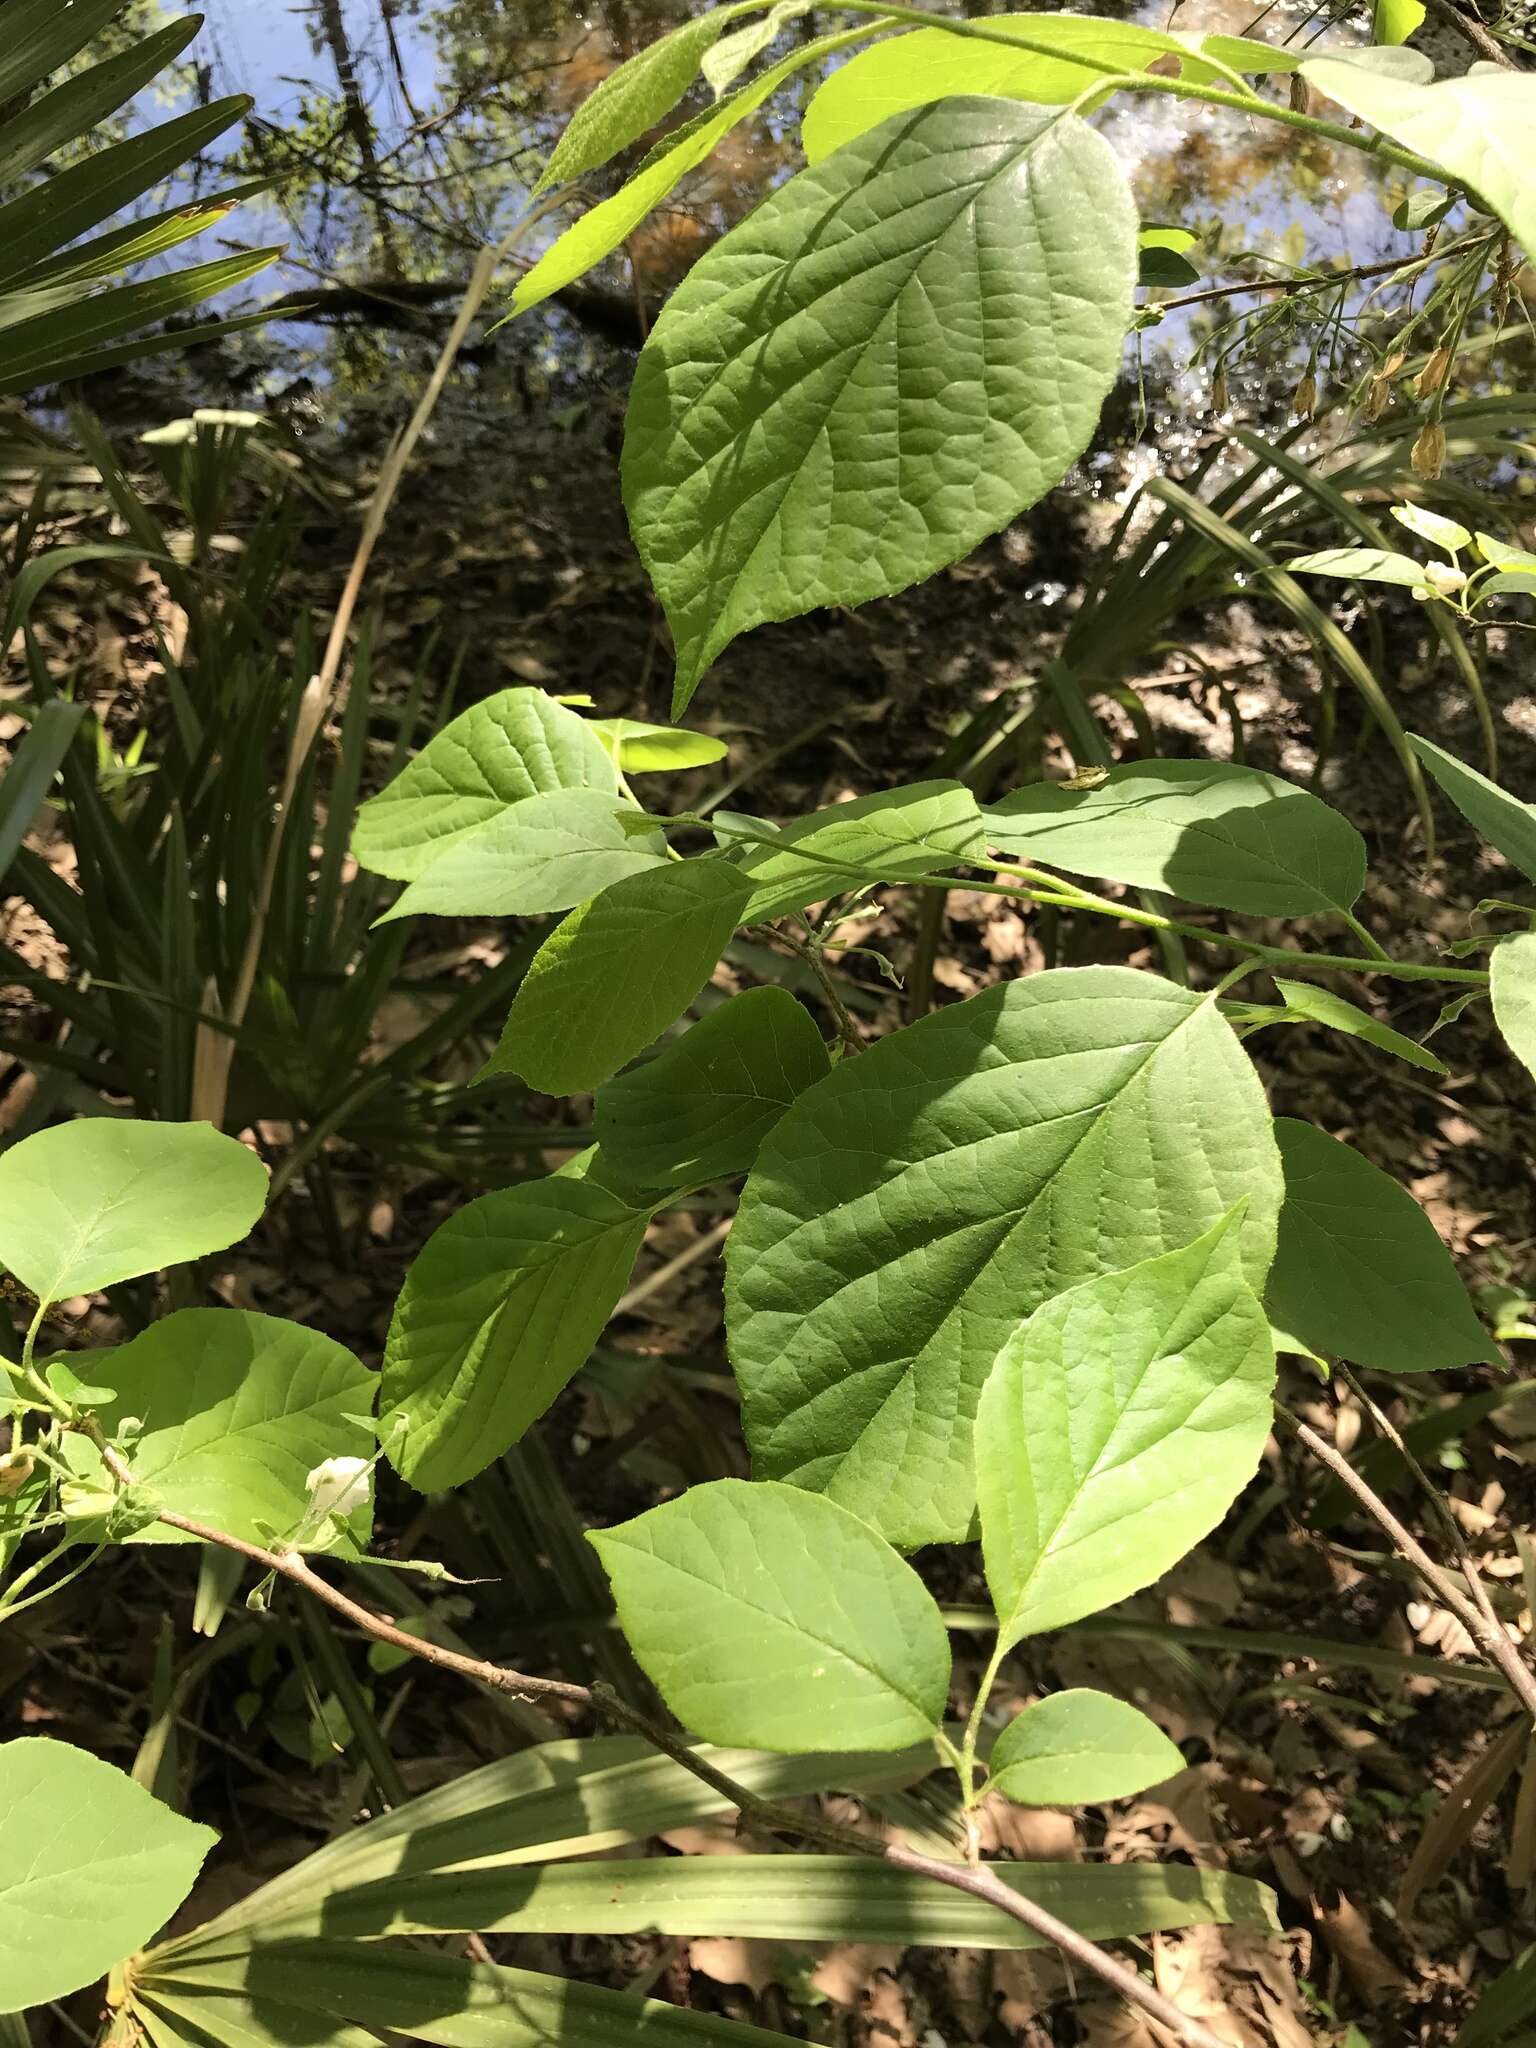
[845,1971]
[1242,1986]
[726,1959]
[1347,1932]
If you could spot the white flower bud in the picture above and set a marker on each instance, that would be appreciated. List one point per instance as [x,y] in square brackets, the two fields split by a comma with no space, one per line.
[338,1487]
[1442,576]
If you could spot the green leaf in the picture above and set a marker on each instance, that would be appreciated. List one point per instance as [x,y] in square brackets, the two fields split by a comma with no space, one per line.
[773,1618]
[642,749]
[502,1305]
[238,1409]
[1498,552]
[41,570]
[931,64]
[1477,128]
[93,1866]
[1162,261]
[73,108]
[609,980]
[1078,1749]
[517,744]
[41,38]
[86,1204]
[1432,526]
[724,64]
[1208,831]
[1512,965]
[544,853]
[704,1105]
[1508,2000]
[781,450]
[601,230]
[1518,582]
[1320,1006]
[894,835]
[1394,21]
[1359,1270]
[1502,820]
[1116,1429]
[1360,565]
[912,1207]
[636,95]
[33,765]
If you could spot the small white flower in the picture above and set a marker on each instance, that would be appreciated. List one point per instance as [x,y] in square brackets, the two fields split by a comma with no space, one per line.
[338,1487]
[1443,577]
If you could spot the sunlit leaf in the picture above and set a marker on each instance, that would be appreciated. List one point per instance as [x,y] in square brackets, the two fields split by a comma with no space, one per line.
[1432,526]
[642,749]
[771,1617]
[1512,965]
[909,1210]
[1359,1271]
[1359,565]
[1394,21]
[893,835]
[93,1865]
[783,450]
[1078,1748]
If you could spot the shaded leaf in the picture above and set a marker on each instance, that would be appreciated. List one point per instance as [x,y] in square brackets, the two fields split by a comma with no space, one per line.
[773,1618]
[1502,820]
[1512,966]
[1320,1006]
[1079,1748]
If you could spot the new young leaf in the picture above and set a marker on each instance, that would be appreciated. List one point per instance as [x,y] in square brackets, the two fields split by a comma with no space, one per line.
[92,1866]
[103,1199]
[1079,1748]
[894,835]
[844,394]
[703,1106]
[773,1618]
[909,1210]
[1512,966]
[1321,1006]
[1116,1429]
[1359,1271]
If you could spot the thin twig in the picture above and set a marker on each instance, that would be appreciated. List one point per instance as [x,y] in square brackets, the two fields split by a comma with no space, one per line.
[1492,1639]
[1472,31]
[979,1882]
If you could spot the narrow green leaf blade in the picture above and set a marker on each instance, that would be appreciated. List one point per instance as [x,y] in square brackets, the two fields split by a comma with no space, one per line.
[42,37]
[1080,1748]
[1513,969]
[517,744]
[502,1305]
[609,980]
[894,835]
[1209,831]
[93,1866]
[780,451]
[909,1210]
[548,852]
[703,1106]
[103,1199]
[1321,1006]
[1117,1428]
[29,777]
[1502,820]
[774,1618]
[238,1409]
[1359,1271]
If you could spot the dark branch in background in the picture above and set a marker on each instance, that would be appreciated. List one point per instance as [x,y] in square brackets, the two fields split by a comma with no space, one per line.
[976,1880]
[1471,30]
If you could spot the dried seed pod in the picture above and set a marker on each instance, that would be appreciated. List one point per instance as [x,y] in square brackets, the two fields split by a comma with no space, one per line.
[1428,457]
[1305,401]
[1434,373]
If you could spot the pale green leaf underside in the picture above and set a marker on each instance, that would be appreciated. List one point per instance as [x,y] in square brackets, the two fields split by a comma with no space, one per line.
[1117,1428]
[545,853]
[1078,1748]
[1322,1006]
[1512,965]
[643,749]
[609,980]
[1209,831]
[845,394]
[502,1305]
[892,836]
[914,1206]
[773,1618]
[86,1204]
[1501,819]
[1360,1272]
[930,64]
[93,1865]
[238,1410]
[703,1106]
[517,744]
[1478,128]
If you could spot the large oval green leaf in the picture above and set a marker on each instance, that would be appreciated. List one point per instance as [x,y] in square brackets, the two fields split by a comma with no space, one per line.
[502,1305]
[514,745]
[1078,1748]
[104,1199]
[92,1866]
[1117,1428]
[846,393]
[1360,1272]
[914,1206]
[1071,52]
[772,1618]
[1209,831]
[238,1410]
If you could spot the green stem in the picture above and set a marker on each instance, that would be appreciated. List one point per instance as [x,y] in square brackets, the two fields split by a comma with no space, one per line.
[1376,952]
[26,1371]
[1063,896]
[1173,88]
[973,1726]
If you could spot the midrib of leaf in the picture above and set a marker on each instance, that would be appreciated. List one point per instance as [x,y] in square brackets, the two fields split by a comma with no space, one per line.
[798,1628]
